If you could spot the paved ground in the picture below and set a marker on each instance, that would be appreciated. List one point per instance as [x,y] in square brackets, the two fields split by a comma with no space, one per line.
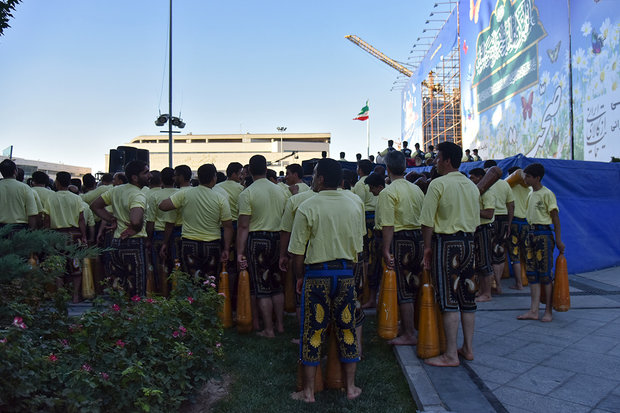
[569,365]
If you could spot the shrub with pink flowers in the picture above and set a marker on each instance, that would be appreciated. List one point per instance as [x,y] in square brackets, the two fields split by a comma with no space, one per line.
[126,354]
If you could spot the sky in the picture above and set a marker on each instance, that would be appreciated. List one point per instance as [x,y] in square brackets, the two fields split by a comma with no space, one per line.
[79,77]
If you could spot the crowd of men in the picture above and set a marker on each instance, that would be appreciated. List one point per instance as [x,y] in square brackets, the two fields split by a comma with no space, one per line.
[333,236]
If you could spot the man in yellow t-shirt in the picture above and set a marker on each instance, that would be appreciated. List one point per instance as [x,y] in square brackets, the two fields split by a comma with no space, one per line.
[18,205]
[398,218]
[327,229]
[64,212]
[483,237]
[204,212]
[450,215]
[128,260]
[542,211]
[40,185]
[294,183]
[258,232]
[518,229]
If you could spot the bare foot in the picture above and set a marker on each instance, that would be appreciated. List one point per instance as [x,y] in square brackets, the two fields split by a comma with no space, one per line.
[353,393]
[403,341]
[295,341]
[516,287]
[300,395]
[265,334]
[442,361]
[548,317]
[497,291]
[528,316]
[280,329]
[483,298]
[469,356]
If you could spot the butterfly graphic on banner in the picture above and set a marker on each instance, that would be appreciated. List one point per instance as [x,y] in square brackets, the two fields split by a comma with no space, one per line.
[474,10]
[526,104]
[597,42]
[554,53]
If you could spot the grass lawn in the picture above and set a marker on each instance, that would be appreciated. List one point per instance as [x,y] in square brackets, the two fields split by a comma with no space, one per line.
[263,374]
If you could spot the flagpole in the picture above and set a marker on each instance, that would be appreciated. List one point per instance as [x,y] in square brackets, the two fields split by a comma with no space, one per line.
[368,132]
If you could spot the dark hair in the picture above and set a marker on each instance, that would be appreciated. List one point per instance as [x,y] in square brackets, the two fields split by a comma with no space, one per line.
[358,156]
[88,180]
[248,181]
[489,163]
[348,178]
[206,173]
[221,177]
[296,168]
[271,174]
[535,169]
[167,176]
[477,172]
[77,182]
[122,177]
[63,178]
[466,150]
[396,162]
[375,180]
[155,178]
[41,178]
[417,145]
[323,154]
[258,165]
[365,165]
[379,169]
[342,154]
[20,175]
[452,151]
[390,142]
[475,150]
[184,171]
[405,144]
[371,158]
[331,171]
[107,178]
[233,168]
[194,182]
[7,168]
[134,168]
[512,169]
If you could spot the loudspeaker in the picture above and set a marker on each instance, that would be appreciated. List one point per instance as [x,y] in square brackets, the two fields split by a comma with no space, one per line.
[143,155]
[308,166]
[131,154]
[116,161]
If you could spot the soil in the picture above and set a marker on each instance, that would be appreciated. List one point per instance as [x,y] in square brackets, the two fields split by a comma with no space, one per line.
[211,393]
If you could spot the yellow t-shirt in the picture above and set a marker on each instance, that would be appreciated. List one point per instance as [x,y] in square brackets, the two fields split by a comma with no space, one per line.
[63,208]
[290,209]
[18,202]
[332,227]
[451,205]
[503,196]
[43,194]
[156,215]
[520,194]
[264,202]
[231,190]
[179,221]
[123,198]
[399,206]
[37,200]
[90,196]
[89,215]
[203,212]
[539,205]
[361,189]
[488,200]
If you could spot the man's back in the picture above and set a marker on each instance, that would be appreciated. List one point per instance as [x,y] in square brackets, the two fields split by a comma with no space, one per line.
[203,210]
[264,202]
[18,202]
[63,208]
[232,190]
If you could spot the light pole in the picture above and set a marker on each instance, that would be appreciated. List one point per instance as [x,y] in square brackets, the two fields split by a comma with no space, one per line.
[281,129]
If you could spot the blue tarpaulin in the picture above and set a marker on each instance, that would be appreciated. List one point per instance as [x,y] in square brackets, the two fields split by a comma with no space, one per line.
[588,195]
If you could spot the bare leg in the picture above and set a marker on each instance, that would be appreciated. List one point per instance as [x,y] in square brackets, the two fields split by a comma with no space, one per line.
[278,308]
[372,299]
[77,287]
[468,321]
[548,290]
[266,308]
[358,333]
[533,313]
[349,381]
[516,267]
[485,289]
[450,358]
[407,337]
[307,393]
[498,271]
[255,315]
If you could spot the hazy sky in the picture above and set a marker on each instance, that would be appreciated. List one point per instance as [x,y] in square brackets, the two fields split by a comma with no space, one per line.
[79,77]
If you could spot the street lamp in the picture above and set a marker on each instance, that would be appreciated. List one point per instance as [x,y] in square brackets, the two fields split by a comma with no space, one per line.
[281,129]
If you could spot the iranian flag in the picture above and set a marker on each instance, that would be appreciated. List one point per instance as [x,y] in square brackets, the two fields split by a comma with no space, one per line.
[363,115]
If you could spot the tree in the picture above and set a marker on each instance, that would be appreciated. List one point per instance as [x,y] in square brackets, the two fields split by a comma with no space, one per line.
[6,12]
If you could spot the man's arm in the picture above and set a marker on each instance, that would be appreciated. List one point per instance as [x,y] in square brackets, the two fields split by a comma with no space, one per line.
[163,251]
[243,229]
[228,230]
[388,234]
[98,207]
[298,271]
[511,214]
[166,205]
[33,221]
[285,237]
[82,225]
[555,218]
[487,213]
[427,236]
[136,220]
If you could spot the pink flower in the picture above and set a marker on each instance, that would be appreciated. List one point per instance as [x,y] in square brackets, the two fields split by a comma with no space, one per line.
[189,353]
[120,343]
[86,367]
[52,357]
[19,322]
[205,282]
[190,299]
[183,330]
[104,376]
[218,345]
[211,278]
[115,307]
[135,298]
[222,294]
[65,342]
[175,334]
[3,341]
[212,285]
[150,300]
